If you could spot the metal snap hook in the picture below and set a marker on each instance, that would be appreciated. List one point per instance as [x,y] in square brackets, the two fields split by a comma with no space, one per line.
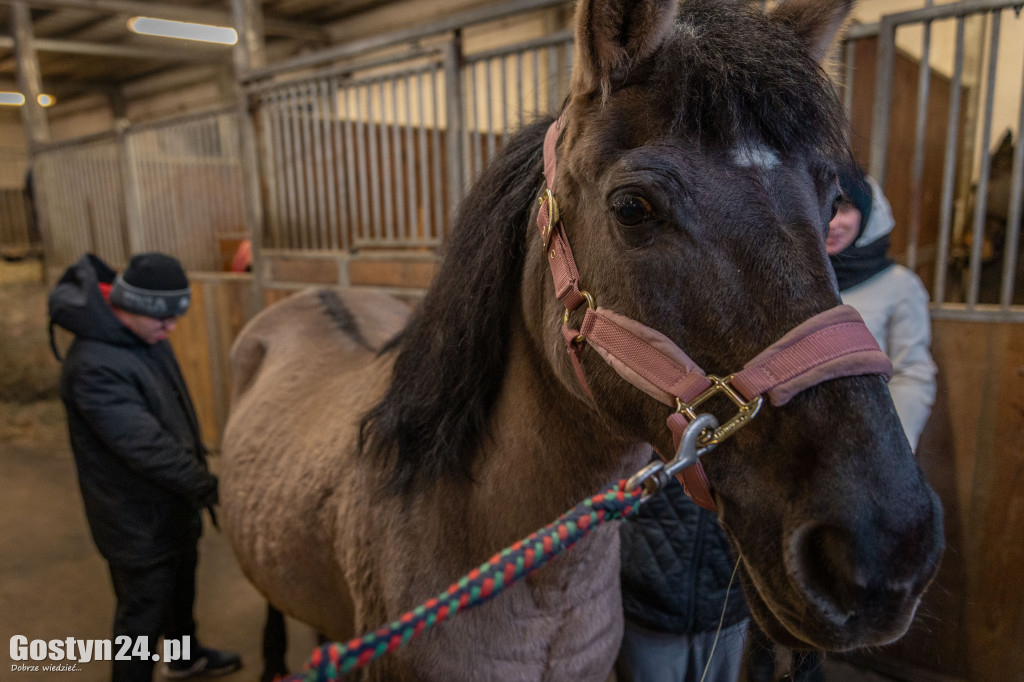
[688,452]
[656,475]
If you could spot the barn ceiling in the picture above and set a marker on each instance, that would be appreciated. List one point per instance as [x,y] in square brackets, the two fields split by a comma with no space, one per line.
[84,47]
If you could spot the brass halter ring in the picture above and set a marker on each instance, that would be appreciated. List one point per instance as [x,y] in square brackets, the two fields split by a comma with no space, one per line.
[745,409]
[565,318]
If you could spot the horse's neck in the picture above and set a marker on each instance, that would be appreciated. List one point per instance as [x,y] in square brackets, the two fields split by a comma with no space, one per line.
[547,452]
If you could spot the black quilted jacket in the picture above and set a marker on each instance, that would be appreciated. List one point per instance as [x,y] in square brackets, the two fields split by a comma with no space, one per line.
[141,462]
[676,564]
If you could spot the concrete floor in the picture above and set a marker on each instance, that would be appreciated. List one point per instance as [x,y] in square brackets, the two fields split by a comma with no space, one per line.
[54,585]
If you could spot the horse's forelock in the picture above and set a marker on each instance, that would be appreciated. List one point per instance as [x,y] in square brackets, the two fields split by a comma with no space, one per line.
[450,359]
[731,74]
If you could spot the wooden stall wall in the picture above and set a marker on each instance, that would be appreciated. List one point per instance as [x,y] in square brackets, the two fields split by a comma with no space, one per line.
[202,343]
[970,625]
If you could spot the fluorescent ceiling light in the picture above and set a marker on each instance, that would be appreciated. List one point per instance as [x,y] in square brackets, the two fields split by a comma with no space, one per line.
[180,29]
[16,99]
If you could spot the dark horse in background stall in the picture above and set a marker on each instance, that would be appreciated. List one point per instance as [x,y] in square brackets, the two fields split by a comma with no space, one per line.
[994,232]
[373,455]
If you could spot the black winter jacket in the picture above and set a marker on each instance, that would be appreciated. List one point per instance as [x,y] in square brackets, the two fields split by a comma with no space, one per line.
[676,565]
[141,462]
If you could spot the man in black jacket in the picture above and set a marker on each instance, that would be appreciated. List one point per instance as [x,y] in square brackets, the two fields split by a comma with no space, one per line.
[140,458]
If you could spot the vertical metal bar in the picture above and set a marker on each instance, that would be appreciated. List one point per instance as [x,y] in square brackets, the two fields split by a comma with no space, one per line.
[453,112]
[269,162]
[423,168]
[917,169]
[282,170]
[353,198]
[274,165]
[248,55]
[1013,216]
[552,79]
[536,81]
[883,100]
[504,98]
[376,130]
[981,199]
[398,198]
[435,158]
[489,108]
[297,237]
[337,168]
[850,69]
[385,156]
[316,114]
[308,154]
[364,205]
[949,169]
[519,88]
[476,128]
[411,165]
[568,69]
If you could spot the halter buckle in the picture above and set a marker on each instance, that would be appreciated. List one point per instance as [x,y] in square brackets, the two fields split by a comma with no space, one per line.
[746,410]
[553,216]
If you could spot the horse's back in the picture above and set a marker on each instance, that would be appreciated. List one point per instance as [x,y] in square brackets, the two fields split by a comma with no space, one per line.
[337,326]
[303,372]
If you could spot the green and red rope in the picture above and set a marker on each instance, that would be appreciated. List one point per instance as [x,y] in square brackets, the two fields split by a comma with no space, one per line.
[335,659]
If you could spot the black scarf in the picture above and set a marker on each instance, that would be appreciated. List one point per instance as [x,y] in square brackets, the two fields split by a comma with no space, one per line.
[856,264]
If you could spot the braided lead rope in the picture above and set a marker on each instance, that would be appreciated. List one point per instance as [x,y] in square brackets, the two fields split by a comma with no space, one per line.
[334,659]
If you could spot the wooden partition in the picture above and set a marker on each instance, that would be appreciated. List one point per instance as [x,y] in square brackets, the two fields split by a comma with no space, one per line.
[970,625]
[202,343]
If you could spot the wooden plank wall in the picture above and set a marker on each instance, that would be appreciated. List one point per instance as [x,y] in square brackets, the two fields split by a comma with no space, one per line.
[202,343]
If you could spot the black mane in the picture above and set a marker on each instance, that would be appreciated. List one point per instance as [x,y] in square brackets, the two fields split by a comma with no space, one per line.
[451,356]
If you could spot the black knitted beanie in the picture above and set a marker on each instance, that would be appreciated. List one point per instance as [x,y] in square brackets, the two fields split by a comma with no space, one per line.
[153,285]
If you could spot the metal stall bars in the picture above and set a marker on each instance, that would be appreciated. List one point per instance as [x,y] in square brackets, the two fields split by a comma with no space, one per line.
[986,281]
[81,195]
[359,156]
[353,155]
[184,188]
[370,145]
[507,87]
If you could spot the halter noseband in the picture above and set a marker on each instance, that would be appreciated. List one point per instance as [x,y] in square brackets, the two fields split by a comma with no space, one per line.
[834,343]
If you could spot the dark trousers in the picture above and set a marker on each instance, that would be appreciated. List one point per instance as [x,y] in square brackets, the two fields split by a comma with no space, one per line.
[153,601]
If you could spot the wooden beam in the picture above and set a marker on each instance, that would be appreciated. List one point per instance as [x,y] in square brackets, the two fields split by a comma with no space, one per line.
[30,80]
[159,10]
[189,54]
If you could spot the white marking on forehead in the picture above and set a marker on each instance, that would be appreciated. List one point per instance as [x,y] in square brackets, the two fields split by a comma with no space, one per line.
[755,155]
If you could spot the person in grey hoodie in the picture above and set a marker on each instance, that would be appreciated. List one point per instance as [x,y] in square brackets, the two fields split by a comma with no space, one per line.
[138,451]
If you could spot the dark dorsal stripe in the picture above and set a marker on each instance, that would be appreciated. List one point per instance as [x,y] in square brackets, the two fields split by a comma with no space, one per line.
[342,316]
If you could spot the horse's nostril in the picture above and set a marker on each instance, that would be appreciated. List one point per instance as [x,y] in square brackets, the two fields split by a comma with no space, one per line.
[824,562]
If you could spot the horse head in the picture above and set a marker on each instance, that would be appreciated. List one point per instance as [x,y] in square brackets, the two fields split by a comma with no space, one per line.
[696,178]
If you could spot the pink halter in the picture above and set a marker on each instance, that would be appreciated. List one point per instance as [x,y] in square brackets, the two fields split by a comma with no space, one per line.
[834,343]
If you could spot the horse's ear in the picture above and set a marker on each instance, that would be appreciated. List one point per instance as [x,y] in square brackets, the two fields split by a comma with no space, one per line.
[816,22]
[1002,157]
[612,35]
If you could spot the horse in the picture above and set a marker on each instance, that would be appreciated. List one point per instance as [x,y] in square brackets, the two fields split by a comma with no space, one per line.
[374,453]
[994,235]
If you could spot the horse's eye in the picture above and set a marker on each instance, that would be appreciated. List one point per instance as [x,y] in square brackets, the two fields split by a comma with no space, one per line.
[631,210]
